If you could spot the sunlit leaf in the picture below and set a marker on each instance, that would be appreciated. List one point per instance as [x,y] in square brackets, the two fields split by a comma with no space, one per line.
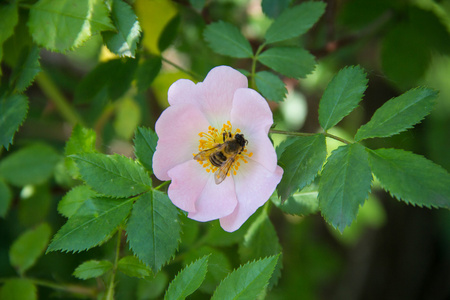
[411,178]
[93,223]
[224,38]
[187,280]
[270,86]
[399,114]
[92,269]
[65,24]
[295,21]
[82,140]
[131,266]
[344,185]
[248,281]
[113,175]
[13,110]
[290,61]
[124,41]
[153,229]
[342,95]
[144,146]
[301,161]
[25,251]
[30,165]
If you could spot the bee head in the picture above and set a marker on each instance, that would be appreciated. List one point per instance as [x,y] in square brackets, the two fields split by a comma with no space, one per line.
[240,139]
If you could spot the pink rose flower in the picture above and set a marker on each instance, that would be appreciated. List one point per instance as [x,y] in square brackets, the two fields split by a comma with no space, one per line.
[196,120]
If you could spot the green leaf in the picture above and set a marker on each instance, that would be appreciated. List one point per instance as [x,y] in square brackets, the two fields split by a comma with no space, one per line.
[169,33]
[108,81]
[74,199]
[128,117]
[65,24]
[342,95]
[25,251]
[124,41]
[399,114]
[301,203]
[147,72]
[295,21]
[344,185]
[82,140]
[188,280]
[226,39]
[273,8]
[113,175]
[197,4]
[411,178]
[9,16]
[92,269]
[248,281]
[153,229]
[270,86]
[260,241]
[27,69]
[18,289]
[30,165]
[131,266]
[301,161]
[290,61]
[35,203]
[5,198]
[144,146]
[93,223]
[13,110]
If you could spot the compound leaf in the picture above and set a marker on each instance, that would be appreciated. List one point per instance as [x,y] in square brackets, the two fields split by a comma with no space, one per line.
[188,280]
[295,21]
[248,281]
[301,160]
[93,223]
[290,61]
[411,178]
[153,229]
[226,39]
[113,175]
[344,185]
[399,114]
[342,95]
[13,110]
[73,200]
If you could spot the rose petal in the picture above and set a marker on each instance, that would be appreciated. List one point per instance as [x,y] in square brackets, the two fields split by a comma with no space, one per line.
[188,181]
[218,90]
[183,91]
[254,185]
[252,115]
[177,128]
[215,201]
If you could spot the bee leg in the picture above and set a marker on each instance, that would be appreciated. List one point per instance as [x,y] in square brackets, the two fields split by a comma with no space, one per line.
[223,136]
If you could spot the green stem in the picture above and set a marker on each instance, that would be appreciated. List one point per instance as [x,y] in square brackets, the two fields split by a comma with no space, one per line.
[162,185]
[111,285]
[254,60]
[69,288]
[61,103]
[329,135]
[192,74]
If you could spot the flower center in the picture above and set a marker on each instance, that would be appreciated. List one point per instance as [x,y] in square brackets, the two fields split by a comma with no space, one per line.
[221,152]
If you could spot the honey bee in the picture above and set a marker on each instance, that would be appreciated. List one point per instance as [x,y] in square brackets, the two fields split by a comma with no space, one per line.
[224,154]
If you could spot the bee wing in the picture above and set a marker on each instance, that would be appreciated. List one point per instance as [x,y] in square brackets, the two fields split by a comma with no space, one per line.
[222,172]
[205,154]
